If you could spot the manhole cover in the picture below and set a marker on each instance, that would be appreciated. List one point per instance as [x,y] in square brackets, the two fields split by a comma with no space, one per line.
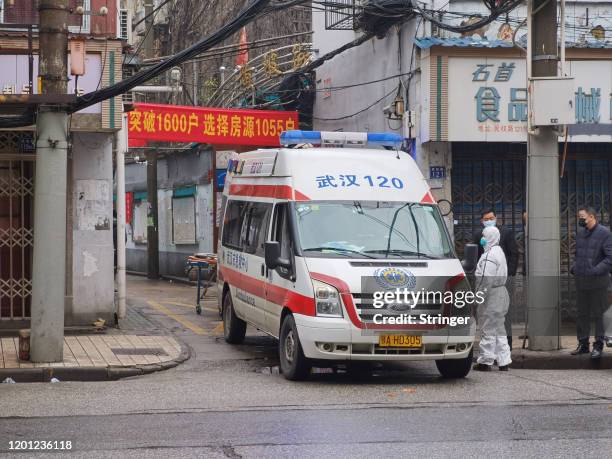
[140,351]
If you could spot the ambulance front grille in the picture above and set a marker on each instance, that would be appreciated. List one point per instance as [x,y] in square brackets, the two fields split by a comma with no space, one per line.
[364,304]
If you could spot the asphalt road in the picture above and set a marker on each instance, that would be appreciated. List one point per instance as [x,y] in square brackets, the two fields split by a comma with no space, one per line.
[229,402]
[540,430]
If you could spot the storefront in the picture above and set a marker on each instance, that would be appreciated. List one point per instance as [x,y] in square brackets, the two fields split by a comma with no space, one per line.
[475,105]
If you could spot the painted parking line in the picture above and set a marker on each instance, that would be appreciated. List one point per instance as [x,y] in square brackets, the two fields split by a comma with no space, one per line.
[187,324]
[192,306]
[218,330]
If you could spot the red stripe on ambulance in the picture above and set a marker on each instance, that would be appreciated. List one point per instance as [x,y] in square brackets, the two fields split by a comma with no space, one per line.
[266,191]
[297,303]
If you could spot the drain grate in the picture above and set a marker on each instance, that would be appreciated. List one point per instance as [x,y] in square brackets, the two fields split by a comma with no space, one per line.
[158,351]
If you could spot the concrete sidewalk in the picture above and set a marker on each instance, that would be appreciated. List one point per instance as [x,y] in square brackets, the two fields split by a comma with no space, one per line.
[560,359]
[139,346]
[96,357]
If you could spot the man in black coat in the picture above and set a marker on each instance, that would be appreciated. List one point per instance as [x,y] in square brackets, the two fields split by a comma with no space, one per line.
[507,242]
[592,266]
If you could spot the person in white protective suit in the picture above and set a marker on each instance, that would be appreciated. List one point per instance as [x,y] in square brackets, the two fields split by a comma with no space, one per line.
[491,274]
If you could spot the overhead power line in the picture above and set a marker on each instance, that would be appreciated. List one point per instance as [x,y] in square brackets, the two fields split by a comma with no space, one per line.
[391,11]
[152,13]
[376,102]
[229,49]
[246,16]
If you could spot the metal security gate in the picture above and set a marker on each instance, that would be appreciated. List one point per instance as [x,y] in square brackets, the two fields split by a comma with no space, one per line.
[493,175]
[586,182]
[488,176]
[16,226]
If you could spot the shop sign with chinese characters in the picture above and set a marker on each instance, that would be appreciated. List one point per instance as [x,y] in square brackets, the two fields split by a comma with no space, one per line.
[172,123]
[15,78]
[488,100]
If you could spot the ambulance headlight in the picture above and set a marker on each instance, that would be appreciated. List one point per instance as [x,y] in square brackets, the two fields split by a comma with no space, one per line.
[327,300]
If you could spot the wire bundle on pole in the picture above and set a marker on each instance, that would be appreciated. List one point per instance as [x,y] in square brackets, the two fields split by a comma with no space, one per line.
[246,16]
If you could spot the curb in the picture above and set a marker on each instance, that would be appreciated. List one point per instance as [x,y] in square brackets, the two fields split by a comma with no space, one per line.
[44,374]
[559,361]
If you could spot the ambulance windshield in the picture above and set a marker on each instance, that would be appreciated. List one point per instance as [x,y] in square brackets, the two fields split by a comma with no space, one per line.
[371,229]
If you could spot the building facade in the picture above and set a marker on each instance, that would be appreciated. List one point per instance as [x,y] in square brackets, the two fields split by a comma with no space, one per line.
[90,277]
[185,181]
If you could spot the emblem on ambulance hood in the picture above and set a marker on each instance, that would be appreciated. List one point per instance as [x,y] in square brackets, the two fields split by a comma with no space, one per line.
[392,278]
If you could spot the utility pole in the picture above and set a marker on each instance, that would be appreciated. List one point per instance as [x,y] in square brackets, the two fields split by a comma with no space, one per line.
[49,257]
[195,83]
[122,146]
[543,189]
[152,212]
[149,36]
[152,217]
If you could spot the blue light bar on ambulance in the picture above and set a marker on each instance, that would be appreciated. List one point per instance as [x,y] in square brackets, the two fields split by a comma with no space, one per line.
[341,139]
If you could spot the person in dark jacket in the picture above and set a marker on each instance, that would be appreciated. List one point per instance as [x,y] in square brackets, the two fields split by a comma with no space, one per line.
[591,268]
[507,242]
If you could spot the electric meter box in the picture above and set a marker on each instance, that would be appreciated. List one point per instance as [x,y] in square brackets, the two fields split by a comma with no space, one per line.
[551,101]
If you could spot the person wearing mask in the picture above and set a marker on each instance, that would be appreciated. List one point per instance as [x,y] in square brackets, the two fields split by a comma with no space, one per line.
[508,244]
[491,274]
[591,268]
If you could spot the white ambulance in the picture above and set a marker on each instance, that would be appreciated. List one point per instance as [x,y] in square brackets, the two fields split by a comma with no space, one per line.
[314,231]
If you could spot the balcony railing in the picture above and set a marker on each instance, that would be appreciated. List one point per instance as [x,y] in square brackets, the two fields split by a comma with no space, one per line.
[341,14]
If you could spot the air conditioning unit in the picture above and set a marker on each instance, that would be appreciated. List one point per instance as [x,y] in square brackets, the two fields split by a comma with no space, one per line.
[124,32]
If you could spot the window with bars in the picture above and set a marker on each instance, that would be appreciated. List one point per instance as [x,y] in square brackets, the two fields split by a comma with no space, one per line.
[124,29]
[341,14]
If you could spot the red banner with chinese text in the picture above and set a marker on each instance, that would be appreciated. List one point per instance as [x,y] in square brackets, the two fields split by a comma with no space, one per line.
[173,123]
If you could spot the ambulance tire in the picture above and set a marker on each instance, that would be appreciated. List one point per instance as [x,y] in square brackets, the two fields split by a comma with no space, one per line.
[234,328]
[294,365]
[455,368]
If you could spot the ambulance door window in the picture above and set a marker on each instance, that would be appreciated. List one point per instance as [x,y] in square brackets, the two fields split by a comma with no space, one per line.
[221,212]
[281,233]
[233,223]
[257,227]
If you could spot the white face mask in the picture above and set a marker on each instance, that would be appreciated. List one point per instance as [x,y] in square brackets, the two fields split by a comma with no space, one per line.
[488,223]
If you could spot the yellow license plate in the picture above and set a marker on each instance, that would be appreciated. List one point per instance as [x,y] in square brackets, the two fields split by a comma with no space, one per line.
[400,341]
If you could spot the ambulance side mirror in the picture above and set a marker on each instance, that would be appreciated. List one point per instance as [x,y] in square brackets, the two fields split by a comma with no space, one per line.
[272,255]
[470,260]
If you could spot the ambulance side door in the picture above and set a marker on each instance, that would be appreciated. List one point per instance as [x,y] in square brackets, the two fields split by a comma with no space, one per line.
[281,280]
[255,231]
[233,256]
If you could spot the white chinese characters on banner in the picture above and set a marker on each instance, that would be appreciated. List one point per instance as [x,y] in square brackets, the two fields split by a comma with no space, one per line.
[488,100]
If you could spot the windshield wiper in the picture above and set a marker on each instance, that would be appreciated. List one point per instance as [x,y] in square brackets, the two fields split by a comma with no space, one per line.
[339,250]
[400,252]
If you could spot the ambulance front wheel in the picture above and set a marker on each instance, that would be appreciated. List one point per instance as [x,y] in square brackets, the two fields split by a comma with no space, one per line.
[455,368]
[234,328]
[294,365]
